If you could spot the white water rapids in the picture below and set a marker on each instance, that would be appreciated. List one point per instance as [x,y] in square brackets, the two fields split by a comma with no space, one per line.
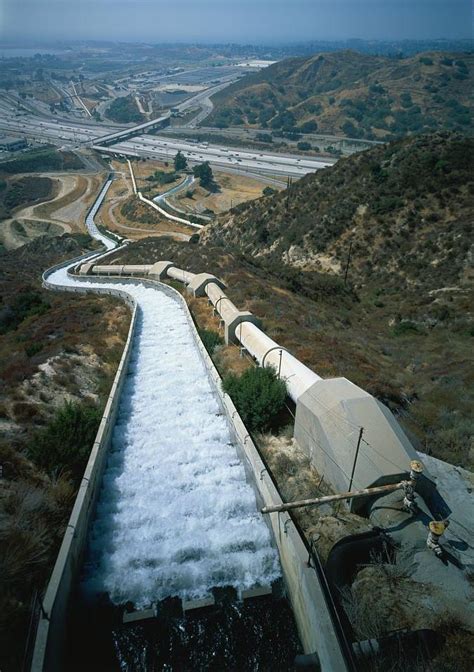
[175,514]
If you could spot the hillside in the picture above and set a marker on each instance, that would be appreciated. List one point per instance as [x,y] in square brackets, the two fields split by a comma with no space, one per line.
[124,110]
[402,327]
[353,94]
[406,208]
[58,353]
[41,160]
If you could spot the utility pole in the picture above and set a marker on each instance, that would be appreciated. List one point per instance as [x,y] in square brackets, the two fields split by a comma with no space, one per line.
[356,456]
[348,262]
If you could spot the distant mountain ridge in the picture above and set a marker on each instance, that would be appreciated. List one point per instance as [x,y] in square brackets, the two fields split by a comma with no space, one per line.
[354,94]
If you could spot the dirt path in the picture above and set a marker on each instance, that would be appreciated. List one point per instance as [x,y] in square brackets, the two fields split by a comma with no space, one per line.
[64,212]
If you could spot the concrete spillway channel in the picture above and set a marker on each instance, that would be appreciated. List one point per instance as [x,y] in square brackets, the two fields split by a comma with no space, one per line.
[167,510]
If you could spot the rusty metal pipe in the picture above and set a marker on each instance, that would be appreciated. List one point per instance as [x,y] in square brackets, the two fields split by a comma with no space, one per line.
[318,501]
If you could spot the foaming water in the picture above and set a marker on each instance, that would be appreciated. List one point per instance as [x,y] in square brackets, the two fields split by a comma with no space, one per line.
[175,514]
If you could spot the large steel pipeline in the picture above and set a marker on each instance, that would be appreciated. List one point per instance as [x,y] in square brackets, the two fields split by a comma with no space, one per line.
[222,304]
[117,269]
[179,274]
[266,351]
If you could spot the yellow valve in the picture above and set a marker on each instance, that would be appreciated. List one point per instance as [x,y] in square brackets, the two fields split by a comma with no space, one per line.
[416,466]
[437,527]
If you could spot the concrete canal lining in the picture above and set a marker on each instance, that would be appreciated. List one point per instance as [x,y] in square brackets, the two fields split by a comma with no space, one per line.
[307,597]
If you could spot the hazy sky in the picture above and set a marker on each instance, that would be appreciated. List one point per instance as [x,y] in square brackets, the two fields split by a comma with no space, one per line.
[234,20]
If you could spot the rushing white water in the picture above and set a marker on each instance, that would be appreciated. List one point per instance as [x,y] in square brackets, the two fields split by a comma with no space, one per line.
[175,514]
[91,226]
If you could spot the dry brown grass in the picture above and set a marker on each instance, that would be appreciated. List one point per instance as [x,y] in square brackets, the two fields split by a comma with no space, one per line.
[75,190]
[233,190]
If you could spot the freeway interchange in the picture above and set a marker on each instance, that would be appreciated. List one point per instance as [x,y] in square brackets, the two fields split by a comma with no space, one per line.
[75,133]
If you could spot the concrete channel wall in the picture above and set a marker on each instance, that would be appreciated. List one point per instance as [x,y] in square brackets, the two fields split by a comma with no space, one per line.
[51,630]
[156,207]
[306,594]
[331,414]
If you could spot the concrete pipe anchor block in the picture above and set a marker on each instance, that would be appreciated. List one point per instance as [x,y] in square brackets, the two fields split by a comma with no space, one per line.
[200,281]
[231,328]
[86,269]
[160,269]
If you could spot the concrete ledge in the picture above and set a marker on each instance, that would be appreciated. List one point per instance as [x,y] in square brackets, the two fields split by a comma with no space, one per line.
[200,281]
[260,591]
[138,616]
[194,605]
[230,328]
[160,270]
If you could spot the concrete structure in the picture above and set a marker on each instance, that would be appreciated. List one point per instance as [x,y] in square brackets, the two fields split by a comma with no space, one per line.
[199,283]
[159,270]
[347,434]
[329,418]
[12,144]
[193,605]
[112,138]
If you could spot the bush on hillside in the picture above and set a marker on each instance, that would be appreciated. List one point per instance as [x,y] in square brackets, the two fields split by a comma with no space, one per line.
[66,442]
[211,339]
[124,109]
[25,304]
[258,395]
[40,160]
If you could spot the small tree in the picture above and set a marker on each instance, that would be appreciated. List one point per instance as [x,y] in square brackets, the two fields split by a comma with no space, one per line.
[258,395]
[204,172]
[304,146]
[180,161]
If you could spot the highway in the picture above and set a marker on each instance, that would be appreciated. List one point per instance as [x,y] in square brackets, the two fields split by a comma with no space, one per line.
[76,133]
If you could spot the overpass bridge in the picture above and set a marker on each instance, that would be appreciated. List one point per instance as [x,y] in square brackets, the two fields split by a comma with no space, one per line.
[125,134]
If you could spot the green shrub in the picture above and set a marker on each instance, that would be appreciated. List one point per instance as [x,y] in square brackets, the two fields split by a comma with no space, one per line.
[406,327]
[304,146]
[162,177]
[33,349]
[65,443]
[25,304]
[258,395]
[211,339]
[124,109]
[268,191]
